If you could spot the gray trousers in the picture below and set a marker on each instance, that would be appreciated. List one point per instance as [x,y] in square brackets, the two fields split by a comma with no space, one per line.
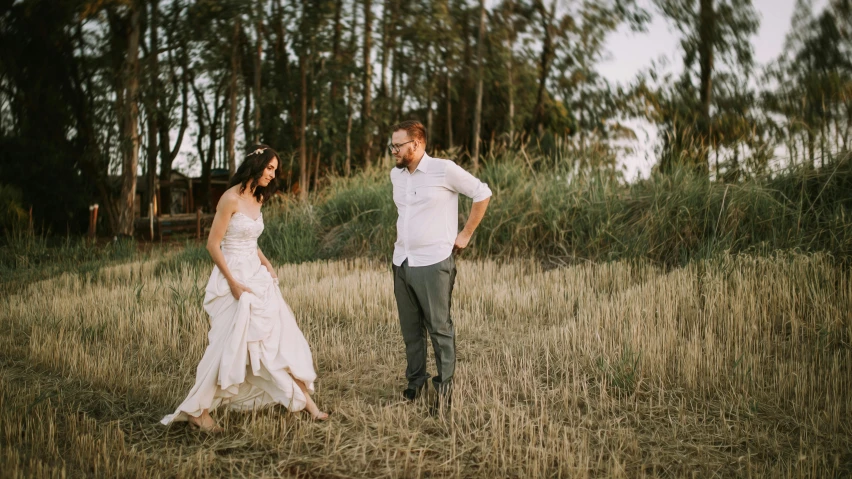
[423,298]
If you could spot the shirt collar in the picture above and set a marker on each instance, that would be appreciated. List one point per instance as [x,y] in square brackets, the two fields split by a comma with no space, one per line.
[424,163]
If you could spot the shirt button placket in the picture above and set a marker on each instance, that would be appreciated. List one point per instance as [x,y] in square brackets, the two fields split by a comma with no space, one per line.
[407,214]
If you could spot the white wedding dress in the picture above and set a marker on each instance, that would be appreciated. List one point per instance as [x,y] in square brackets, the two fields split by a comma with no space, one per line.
[256,348]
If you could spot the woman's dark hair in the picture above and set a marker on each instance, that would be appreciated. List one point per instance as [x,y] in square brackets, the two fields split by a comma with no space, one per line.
[251,169]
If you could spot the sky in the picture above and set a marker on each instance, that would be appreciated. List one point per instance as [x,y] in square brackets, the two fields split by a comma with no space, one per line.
[632,52]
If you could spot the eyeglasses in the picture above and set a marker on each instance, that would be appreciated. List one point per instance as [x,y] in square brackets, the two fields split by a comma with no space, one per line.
[395,148]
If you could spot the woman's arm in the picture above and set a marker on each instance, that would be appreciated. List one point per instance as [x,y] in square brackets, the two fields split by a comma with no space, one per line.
[224,210]
[266,263]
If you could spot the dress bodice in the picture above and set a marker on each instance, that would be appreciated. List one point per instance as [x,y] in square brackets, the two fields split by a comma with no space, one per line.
[241,237]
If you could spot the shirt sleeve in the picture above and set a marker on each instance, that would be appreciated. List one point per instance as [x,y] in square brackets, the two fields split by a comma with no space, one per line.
[463,182]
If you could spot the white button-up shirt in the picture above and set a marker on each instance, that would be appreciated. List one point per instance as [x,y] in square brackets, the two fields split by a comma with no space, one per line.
[428,205]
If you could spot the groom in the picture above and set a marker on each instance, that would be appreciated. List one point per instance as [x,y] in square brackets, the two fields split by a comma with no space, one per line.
[426,192]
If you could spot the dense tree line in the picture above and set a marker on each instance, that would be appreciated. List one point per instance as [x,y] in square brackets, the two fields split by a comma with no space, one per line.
[92,92]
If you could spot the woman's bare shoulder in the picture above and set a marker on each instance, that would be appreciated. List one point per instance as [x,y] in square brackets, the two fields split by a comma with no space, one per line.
[228,202]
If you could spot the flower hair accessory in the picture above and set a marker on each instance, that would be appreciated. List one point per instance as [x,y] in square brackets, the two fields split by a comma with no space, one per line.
[258,151]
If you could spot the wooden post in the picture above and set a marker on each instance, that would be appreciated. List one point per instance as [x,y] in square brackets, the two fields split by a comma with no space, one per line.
[94,221]
[198,224]
[151,219]
[156,200]
[191,200]
[31,221]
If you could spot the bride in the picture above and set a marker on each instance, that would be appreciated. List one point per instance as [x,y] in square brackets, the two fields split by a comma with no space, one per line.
[257,355]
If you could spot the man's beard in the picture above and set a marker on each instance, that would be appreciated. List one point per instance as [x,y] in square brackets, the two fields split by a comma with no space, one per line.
[403,162]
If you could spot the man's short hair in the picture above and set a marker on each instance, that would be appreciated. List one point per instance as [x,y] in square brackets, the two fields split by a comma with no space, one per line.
[414,128]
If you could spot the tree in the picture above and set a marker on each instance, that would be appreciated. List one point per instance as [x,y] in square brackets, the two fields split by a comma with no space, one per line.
[366,109]
[814,84]
[125,31]
[553,29]
[510,19]
[477,115]
[714,33]
[53,116]
[175,93]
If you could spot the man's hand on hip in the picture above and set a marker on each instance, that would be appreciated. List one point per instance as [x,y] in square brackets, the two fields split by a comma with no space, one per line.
[462,240]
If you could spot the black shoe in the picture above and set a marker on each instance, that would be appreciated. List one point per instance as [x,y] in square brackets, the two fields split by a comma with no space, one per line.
[410,394]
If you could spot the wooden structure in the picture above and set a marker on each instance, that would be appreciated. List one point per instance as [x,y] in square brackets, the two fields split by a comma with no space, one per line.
[185,215]
[162,227]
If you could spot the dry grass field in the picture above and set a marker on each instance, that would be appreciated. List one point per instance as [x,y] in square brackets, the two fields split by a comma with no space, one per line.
[736,367]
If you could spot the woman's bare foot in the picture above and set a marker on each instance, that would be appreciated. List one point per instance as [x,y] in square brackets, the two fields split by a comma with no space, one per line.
[315,413]
[310,405]
[205,423]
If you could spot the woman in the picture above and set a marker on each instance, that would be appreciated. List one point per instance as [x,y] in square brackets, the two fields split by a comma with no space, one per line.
[257,355]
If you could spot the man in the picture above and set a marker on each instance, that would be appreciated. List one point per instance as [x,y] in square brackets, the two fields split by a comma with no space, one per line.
[426,191]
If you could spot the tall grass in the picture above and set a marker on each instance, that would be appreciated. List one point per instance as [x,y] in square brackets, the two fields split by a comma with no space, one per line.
[566,216]
[735,366]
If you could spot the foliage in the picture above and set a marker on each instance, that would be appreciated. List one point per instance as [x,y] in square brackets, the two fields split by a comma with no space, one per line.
[813,97]
[290,232]
[322,81]
[669,219]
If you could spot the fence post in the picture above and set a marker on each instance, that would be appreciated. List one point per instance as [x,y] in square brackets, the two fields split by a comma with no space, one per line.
[151,219]
[198,224]
[94,222]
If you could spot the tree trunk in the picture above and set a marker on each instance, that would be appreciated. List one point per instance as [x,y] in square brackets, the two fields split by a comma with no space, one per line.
[366,110]
[129,111]
[464,86]
[151,166]
[317,166]
[335,52]
[257,73]
[707,35]
[91,162]
[511,97]
[811,149]
[350,97]
[347,165]
[449,111]
[303,146]
[313,120]
[211,121]
[387,20]
[395,74]
[167,152]
[282,61]
[248,133]
[582,128]
[388,48]
[232,101]
[199,145]
[510,47]
[545,60]
[429,100]
[477,114]
[152,107]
